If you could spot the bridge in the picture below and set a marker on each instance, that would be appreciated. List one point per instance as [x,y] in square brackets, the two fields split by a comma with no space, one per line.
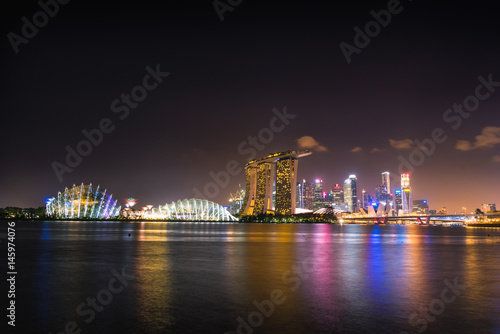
[425,219]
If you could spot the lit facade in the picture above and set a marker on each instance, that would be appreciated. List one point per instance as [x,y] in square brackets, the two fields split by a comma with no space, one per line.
[264,188]
[286,181]
[337,195]
[83,201]
[276,171]
[308,190]
[420,206]
[350,193]
[318,201]
[406,193]
[251,183]
[299,197]
[386,182]
[398,201]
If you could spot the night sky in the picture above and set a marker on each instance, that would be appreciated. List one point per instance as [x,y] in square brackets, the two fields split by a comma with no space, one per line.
[226,78]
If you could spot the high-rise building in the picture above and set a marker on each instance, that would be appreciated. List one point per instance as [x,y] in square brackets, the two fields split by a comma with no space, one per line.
[406,193]
[381,195]
[398,201]
[350,193]
[420,206]
[299,197]
[308,190]
[386,182]
[367,200]
[488,208]
[271,184]
[318,194]
[337,195]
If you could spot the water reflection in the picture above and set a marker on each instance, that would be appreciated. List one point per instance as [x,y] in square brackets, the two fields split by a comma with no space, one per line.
[200,277]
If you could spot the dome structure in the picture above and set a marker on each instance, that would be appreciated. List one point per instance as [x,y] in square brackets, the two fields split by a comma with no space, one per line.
[195,209]
[83,201]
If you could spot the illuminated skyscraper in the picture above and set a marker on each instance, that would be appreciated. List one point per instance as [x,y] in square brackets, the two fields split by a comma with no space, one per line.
[398,201]
[406,193]
[299,197]
[381,195]
[279,171]
[337,195]
[386,182]
[367,200]
[318,194]
[308,190]
[350,193]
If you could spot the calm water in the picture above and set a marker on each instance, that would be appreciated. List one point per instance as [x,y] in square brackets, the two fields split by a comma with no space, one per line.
[202,278]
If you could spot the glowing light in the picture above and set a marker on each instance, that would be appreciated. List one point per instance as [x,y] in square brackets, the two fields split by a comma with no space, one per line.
[131,202]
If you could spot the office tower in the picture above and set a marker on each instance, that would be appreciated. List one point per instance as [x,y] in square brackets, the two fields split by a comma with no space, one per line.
[386,182]
[337,195]
[299,197]
[381,195]
[308,189]
[398,201]
[367,200]
[350,193]
[406,193]
[318,194]
[271,183]
[420,206]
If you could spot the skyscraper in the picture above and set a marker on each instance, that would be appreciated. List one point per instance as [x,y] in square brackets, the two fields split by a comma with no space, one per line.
[406,193]
[381,195]
[350,193]
[337,195]
[299,198]
[308,191]
[318,194]
[367,200]
[386,182]
[398,201]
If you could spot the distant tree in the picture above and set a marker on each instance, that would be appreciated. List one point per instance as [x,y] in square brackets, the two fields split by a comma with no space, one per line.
[479,212]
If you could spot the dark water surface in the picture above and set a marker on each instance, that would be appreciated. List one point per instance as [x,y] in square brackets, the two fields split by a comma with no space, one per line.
[214,278]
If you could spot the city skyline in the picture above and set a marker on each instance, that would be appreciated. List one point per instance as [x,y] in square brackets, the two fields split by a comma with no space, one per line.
[205,94]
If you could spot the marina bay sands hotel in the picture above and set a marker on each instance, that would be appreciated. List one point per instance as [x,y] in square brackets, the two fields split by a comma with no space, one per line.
[271,184]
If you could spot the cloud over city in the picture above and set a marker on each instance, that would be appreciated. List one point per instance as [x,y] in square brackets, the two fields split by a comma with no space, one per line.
[356,149]
[489,137]
[309,143]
